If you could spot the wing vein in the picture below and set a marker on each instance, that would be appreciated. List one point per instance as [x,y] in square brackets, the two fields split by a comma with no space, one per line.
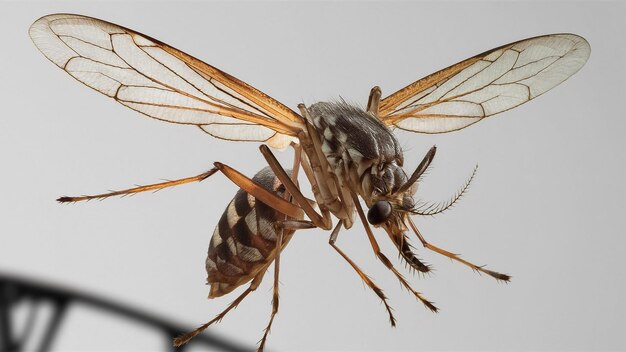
[485,84]
[185,80]
[234,97]
[61,36]
[162,82]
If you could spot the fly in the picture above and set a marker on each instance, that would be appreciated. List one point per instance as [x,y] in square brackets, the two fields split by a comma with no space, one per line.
[348,154]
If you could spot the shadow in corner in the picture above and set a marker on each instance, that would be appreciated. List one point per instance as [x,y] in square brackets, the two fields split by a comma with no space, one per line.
[16,290]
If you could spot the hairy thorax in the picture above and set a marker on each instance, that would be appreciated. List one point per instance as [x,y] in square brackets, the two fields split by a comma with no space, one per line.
[359,148]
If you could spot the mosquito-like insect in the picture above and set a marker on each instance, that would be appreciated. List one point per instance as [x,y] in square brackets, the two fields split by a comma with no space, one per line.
[347,153]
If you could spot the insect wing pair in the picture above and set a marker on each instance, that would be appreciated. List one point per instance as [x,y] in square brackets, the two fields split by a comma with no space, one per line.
[347,154]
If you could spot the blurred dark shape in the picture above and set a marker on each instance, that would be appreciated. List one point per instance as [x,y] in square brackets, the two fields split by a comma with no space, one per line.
[16,290]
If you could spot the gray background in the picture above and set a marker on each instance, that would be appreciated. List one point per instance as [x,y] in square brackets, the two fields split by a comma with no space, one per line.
[546,207]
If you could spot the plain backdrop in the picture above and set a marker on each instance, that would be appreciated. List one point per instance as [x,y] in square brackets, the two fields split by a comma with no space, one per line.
[547,205]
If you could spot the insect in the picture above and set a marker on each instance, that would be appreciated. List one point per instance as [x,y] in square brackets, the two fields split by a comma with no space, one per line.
[348,154]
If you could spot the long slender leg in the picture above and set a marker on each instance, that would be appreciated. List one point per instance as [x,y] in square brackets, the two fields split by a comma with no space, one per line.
[181,340]
[152,187]
[277,203]
[316,169]
[296,224]
[300,224]
[374,100]
[317,178]
[385,260]
[419,171]
[315,188]
[308,172]
[257,191]
[291,187]
[158,186]
[345,198]
[279,244]
[297,160]
[319,164]
[494,274]
[368,281]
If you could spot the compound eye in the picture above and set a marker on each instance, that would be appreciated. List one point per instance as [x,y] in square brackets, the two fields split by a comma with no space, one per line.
[379,212]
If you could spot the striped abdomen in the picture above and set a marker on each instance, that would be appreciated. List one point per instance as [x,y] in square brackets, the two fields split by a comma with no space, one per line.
[244,241]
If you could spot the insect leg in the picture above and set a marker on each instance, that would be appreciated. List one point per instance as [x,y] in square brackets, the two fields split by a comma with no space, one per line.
[152,187]
[257,191]
[496,275]
[296,224]
[346,200]
[311,143]
[181,340]
[318,220]
[374,100]
[315,188]
[368,281]
[385,260]
[279,242]
[297,160]
[419,171]
[297,163]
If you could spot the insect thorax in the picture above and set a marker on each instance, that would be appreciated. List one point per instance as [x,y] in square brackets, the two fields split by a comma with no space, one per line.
[359,148]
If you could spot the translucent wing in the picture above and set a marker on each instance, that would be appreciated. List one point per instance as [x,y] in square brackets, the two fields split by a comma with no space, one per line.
[162,82]
[486,84]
